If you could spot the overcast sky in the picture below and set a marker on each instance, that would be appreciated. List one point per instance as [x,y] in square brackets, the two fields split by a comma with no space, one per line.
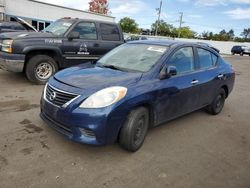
[200,15]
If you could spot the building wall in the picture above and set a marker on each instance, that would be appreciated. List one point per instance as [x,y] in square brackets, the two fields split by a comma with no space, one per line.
[43,11]
[32,10]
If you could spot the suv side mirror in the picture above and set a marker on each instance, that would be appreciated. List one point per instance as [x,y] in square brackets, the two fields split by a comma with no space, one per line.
[167,72]
[73,35]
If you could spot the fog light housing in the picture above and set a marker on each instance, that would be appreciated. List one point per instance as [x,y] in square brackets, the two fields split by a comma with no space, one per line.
[87,132]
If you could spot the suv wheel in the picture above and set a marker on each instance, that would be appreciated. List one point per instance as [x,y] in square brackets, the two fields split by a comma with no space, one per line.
[232,53]
[40,68]
[134,130]
[241,53]
[218,103]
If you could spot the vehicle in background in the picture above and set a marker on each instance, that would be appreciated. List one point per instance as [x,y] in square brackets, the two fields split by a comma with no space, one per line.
[137,85]
[16,26]
[210,46]
[62,44]
[135,37]
[240,50]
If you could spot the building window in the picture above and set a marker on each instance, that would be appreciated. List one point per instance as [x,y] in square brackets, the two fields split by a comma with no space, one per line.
[34,24]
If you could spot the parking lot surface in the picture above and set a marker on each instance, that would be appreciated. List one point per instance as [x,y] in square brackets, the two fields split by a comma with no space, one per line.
[197,150]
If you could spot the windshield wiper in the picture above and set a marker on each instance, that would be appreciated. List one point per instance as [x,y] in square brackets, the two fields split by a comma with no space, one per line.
[112,67]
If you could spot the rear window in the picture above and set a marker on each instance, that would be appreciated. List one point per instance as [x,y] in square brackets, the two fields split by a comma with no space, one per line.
[206,58]
[109,32]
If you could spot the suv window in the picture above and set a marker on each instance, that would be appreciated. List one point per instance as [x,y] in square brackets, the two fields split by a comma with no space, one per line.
[109,32]
[206,58]
[183,60]
[87,30]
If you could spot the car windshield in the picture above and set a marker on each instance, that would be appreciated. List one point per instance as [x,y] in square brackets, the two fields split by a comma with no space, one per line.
[58,27]
[133,57]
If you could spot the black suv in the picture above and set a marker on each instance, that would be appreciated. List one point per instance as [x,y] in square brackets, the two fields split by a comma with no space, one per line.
[240,50]
[64,43]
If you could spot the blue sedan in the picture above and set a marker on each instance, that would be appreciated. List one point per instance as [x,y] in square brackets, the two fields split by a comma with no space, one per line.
[136,86]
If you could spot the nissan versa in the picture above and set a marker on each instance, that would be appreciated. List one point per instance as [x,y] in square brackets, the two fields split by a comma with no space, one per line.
[133,87]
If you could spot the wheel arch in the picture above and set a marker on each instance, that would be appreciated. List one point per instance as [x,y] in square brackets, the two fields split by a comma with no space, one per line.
[225,87]
[53,53]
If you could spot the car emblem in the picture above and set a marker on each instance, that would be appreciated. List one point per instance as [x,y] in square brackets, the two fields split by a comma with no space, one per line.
[52,96]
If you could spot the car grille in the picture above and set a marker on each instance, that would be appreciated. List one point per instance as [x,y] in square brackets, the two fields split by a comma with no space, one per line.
[58,97]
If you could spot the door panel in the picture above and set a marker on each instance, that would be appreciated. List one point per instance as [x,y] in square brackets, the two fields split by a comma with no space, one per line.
[84,49]
[178,96]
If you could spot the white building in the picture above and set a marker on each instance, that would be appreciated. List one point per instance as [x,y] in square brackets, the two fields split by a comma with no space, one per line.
[40,14]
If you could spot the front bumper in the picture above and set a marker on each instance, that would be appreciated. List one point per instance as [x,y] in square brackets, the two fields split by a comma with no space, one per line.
[88,126]
[12,62]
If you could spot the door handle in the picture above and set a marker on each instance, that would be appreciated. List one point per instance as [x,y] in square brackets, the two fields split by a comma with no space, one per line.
[220,76]
[195,82]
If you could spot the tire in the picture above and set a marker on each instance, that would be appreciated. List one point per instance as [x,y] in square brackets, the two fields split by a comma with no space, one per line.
[232,53]
[39,69]
[134,130]
[218,103]
[241,53]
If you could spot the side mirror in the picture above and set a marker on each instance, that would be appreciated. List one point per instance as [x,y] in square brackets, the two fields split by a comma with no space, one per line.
[73,35]
[167,72]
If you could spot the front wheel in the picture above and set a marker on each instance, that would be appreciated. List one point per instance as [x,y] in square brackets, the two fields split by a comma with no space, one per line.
[218,103]
[241,53]
[40,68]
[134,130]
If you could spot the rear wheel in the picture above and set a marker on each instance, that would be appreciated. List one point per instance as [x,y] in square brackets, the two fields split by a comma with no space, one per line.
[134,130]
[39,68]
[241,53]
[218,103]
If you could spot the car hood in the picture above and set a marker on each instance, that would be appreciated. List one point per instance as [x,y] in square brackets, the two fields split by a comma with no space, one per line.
[96,77]
[26,35]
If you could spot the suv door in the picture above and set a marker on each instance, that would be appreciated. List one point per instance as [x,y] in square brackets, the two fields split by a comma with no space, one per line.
[85,48]
[111,37]
[180,93]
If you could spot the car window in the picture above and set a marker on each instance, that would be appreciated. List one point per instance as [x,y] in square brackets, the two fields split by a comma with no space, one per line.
[87,30]
[183,60]
[109,32]
[18,27]
[206,58]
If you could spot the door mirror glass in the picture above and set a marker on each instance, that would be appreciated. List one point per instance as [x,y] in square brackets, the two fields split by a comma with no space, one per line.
[168,72]
[73,35]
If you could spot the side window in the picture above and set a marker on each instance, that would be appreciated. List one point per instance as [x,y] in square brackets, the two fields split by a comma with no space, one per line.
[109,32]
[183,60]
[87,30]
[18,27]
[206,59]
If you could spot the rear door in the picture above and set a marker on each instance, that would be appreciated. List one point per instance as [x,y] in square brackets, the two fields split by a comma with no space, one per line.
[209,75]
[179,94]
[85,48]
[110,37]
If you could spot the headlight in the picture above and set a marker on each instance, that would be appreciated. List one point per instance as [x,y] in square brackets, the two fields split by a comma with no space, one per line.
[7,46]
[104,97]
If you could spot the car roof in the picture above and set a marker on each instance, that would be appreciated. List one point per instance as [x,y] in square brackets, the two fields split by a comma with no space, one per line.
[161,42]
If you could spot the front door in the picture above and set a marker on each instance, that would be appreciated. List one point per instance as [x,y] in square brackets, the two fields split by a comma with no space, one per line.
[179,94]
[84,49]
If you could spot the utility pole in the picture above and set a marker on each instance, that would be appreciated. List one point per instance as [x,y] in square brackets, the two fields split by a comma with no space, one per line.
[181,22]
[159,17]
